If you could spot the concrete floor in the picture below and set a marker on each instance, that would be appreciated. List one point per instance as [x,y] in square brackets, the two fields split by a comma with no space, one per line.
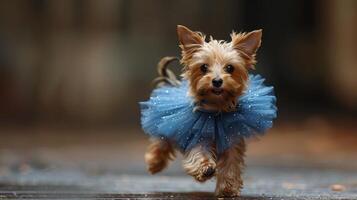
[260,183]
[102,164]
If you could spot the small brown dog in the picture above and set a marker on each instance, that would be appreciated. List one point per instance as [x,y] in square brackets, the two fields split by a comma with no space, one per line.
[217,73]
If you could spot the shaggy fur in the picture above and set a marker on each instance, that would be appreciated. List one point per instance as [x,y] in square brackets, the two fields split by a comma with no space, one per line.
[217,72]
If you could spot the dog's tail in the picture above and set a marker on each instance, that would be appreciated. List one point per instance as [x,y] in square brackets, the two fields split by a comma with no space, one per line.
[166,76]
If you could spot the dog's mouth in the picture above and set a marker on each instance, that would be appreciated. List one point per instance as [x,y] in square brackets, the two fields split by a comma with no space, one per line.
[217,91]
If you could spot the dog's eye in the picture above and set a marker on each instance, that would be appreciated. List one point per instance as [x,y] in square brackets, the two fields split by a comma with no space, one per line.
[229,69]
[204,68]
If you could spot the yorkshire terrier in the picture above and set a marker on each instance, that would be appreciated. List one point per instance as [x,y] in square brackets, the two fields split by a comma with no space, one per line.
[217,73]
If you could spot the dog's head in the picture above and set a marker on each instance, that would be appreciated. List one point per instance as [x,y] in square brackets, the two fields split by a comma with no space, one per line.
[217,71]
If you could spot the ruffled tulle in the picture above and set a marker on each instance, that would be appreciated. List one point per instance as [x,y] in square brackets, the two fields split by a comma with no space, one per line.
[169,114]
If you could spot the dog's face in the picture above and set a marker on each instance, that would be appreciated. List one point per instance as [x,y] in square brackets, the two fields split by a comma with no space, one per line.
[217,70]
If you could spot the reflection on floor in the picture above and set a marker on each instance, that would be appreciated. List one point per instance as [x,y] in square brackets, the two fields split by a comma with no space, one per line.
[309,161]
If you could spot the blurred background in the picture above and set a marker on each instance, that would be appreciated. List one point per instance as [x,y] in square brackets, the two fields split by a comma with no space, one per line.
[73,71]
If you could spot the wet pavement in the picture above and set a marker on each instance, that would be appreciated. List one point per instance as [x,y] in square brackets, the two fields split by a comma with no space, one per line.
[260,183]
[61,165]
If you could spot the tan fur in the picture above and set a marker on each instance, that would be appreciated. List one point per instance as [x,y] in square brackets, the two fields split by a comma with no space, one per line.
[158,155]
[247,52]
[217,54]
[199,161]
[202,162]
[229,170]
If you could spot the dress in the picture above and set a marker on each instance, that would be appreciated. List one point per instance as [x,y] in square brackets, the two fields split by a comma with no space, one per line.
[169,114]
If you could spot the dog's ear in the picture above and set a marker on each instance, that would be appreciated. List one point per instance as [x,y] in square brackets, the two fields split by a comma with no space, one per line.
[247,43]
[189,39]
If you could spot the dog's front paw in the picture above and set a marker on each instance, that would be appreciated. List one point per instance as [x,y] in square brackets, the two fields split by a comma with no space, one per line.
[229,186]
[201,171]
[228,191]
[200,163]
[205,172]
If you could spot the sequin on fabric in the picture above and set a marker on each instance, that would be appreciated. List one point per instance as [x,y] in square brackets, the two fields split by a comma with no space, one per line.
[169,114]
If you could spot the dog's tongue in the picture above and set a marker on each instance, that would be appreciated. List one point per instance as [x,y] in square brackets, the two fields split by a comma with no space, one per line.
[217,91]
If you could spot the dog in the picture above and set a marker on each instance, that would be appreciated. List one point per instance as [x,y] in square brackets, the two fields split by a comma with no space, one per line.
[217,75]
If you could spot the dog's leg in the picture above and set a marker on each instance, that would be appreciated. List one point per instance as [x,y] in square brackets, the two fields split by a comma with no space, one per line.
[229,170]
[158,155]
[200,162]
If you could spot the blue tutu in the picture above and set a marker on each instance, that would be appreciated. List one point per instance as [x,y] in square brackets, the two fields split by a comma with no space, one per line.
[169,114]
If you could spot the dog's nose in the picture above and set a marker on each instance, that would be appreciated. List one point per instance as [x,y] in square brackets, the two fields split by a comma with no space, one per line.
[217,82]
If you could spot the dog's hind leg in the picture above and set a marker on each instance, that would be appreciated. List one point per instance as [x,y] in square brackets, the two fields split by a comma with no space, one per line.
[158,155]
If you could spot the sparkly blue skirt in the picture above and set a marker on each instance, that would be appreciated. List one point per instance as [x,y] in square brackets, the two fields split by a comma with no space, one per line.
[169,114]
